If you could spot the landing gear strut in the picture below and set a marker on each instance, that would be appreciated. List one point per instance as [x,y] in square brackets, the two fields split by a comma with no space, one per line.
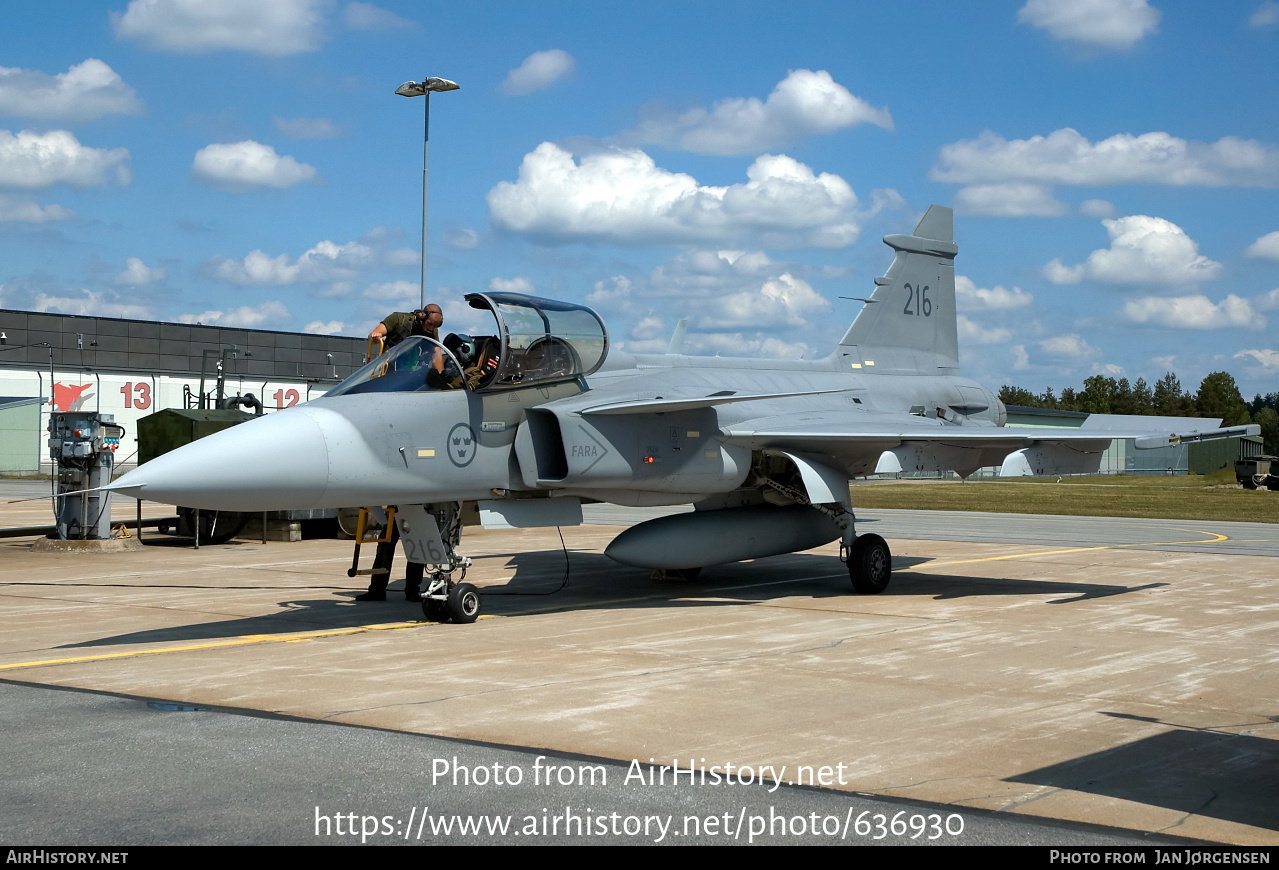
[870,564]
[444,598]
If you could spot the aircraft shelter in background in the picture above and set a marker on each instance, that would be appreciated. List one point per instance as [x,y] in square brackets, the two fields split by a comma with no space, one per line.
[132,368]
[1202,457]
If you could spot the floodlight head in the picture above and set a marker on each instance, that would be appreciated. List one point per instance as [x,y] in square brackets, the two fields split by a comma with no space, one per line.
[417,89]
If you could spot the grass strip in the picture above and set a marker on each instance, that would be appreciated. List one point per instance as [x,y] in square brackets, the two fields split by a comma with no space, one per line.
[1185,497]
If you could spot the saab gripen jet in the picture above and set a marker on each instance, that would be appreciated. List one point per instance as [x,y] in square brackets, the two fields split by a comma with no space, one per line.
[539,417]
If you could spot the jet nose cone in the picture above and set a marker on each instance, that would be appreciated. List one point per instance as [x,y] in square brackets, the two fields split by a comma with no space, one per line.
[276,462]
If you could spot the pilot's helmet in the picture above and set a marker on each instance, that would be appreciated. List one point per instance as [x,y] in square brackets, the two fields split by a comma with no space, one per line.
[464,348]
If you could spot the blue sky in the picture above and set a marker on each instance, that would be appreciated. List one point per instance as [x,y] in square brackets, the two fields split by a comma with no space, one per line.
[1113,165]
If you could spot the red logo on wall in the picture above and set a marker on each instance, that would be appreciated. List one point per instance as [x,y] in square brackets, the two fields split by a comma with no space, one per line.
[69,397]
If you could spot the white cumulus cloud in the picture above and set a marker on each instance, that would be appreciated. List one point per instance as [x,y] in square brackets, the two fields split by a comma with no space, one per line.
[137,274]
[88,90]
[1017,199]
[648,329]
[1142,250]
[1066,157]
[307,128]
[706,275]
[246,316]
[24,211]
[1068,346]
[394,291]
[322,263]
[320,327]
[622,197]
[973,333]
[614,292]
[736,301]
[804,103]
[366,16]
[35,161]
[739,344]
[463,238]
[539,71]
[239,167]
[781,301]
[996,298]
[1267,301]
[92,304]
[1109,24]
[519,284]
[1193,312]
[1267,246]
[1266,15]
[1268,358]
[1097,208]
[266,27]
[731,298]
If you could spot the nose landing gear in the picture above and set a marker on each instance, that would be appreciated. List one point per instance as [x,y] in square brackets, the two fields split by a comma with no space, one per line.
[444,598]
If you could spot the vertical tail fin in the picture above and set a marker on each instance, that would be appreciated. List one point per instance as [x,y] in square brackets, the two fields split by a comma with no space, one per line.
[676,346]
[908,326]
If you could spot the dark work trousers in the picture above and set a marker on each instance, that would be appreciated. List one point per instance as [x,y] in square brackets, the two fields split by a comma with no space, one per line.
[385,558]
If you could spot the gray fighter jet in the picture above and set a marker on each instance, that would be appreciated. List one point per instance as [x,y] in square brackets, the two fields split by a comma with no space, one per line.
[539,417]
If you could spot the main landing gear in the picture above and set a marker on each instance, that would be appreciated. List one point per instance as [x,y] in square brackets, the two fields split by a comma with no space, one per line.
[870,564]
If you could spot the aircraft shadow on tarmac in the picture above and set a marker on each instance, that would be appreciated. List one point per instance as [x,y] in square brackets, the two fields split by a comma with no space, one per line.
[1210,773]
[595,582]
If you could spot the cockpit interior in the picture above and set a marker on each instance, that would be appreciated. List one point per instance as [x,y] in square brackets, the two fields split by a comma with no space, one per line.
[537,342]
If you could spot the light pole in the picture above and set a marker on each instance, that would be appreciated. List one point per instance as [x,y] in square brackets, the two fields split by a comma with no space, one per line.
[423,89]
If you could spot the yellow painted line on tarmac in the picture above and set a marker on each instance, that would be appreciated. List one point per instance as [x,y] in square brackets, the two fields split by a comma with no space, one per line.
[1214,538]
[1010,556]
[245,640]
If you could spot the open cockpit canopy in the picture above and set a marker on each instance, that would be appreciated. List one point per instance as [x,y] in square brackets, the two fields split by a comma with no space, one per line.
[538,341]
[541,341]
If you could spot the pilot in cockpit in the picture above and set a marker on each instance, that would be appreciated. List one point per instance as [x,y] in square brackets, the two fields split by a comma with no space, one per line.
[478,357]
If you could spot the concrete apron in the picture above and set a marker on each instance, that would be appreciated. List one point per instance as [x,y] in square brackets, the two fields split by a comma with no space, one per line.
[1112,686]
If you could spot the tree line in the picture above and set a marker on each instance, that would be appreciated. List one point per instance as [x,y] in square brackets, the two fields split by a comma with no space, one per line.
[1218,396]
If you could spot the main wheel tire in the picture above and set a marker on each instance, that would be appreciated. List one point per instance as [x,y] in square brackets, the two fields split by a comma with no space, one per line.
[435,611]
[870,564]
[464,603]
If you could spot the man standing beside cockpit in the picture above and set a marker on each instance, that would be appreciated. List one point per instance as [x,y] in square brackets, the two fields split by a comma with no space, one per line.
[398,326]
